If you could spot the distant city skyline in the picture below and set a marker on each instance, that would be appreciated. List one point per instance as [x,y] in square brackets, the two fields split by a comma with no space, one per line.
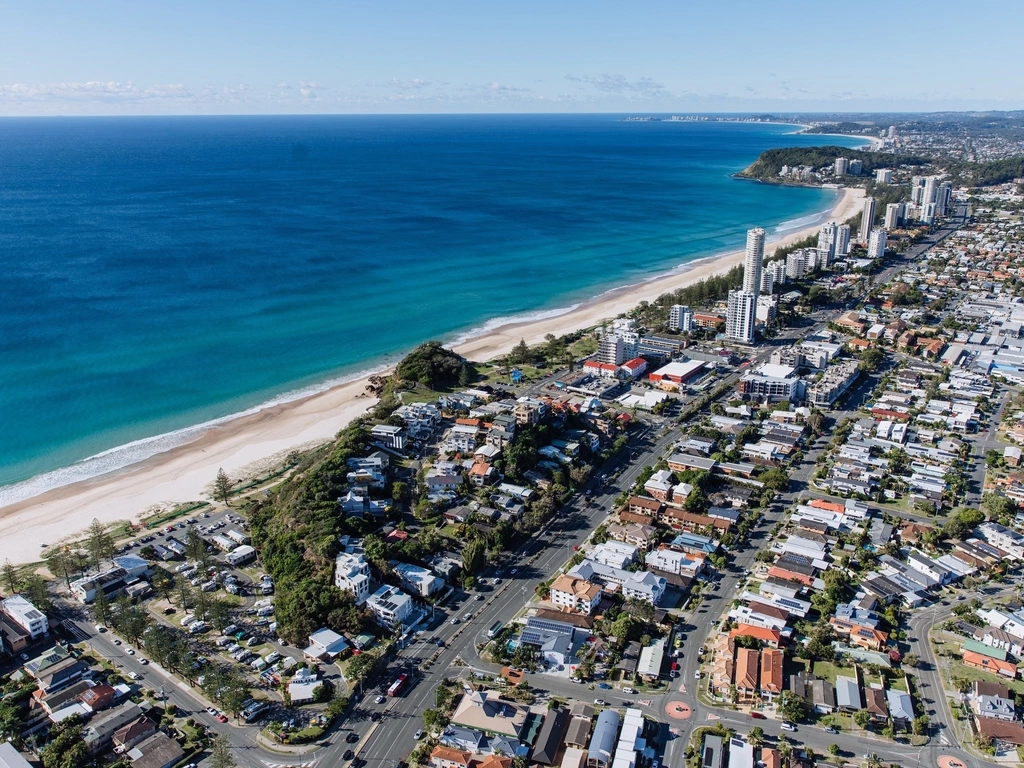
[64,58]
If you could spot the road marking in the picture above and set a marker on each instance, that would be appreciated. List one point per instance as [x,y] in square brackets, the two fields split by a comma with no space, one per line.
[713,717]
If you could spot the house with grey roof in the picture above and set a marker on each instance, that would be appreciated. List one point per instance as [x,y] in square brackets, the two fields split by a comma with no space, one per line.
[604,739]
[847,693]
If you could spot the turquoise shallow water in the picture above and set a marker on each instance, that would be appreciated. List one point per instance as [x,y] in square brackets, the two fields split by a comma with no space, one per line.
[162,272]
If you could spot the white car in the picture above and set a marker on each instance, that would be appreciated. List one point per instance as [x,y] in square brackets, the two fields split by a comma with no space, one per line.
[131,651]
[788,726]
[696,674]
[379,700]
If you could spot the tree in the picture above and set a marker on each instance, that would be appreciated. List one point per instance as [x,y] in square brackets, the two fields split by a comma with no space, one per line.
[38,592]
[756,736]
[222,488]
[98,543]
[921,724]
[862,717]
[101,607]
[11,579]
[910,660]
[66,748]
[473,556]
[220,753]
[833,749]
[792,706]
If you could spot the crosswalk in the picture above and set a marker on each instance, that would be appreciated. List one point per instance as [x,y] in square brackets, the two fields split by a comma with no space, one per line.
[305,764]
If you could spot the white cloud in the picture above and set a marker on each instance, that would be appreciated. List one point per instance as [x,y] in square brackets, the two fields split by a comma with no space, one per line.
[644,87]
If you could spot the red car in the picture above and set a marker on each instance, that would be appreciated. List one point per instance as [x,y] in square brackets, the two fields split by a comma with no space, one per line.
[224,719]
[758,716]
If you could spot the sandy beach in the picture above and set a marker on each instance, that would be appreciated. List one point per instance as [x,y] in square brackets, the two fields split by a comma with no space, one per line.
[184,473]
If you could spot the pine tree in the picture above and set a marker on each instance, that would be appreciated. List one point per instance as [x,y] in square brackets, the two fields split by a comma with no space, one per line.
[222,488]
[10,578]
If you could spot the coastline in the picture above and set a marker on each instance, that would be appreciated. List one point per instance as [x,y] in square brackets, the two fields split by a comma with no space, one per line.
[184,472]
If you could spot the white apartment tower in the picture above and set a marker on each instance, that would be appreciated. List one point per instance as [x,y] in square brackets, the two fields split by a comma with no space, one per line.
[796,264]
[753,261]
[842,165]
[893,214]
[876,246]
[867,220]
[855,167]
[827,237]
[611,349]
[741,316]
[842,240]
[930,185]
[883,176]
[916,190]
[680,318]
[767,282]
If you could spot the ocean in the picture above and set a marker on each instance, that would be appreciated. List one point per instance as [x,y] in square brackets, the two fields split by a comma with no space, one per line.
[160,273]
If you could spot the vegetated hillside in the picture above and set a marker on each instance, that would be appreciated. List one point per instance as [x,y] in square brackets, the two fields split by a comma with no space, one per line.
[435,367]
[845,127]
[296,532]
[296,528]
[988,173]
[770,162]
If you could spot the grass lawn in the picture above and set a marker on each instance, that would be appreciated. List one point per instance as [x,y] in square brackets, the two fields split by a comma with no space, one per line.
[958,669]
[827,671]
[584,347]
[898,684]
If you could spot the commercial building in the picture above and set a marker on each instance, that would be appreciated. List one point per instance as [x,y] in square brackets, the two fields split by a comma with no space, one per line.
[677,373]
[773,383]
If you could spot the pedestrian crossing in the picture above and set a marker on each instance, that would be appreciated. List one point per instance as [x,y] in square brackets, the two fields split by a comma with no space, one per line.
[304,763]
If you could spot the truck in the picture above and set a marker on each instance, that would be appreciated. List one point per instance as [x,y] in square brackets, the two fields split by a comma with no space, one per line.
[494,630]
[398,686]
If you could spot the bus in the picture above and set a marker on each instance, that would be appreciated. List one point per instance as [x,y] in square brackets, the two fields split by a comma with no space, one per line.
[494,630]
[398,685]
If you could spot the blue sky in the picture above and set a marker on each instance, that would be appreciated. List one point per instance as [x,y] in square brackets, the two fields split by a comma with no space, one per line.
[225,57]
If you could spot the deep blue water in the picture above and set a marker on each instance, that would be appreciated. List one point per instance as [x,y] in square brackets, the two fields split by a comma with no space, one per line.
[161,272]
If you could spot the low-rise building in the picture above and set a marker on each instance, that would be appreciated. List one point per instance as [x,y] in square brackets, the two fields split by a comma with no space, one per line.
[575,594]
[389,606]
